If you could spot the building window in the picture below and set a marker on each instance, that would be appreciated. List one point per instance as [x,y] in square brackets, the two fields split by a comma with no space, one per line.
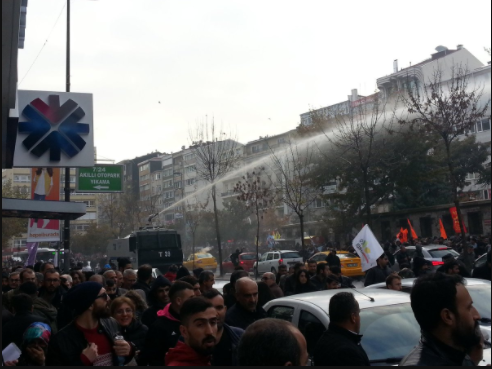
[472,176]
[189,157]
[319,203]
[178,184]
[190,169]
[144,167]
[168,184]
[169,217]
[168,172]
[190,182]
[90,203]
[22,179]
[255,149]
[20,243]
[483,126]
[157,176]
[169,195]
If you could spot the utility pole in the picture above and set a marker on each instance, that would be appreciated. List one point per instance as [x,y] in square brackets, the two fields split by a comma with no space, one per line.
[66,233]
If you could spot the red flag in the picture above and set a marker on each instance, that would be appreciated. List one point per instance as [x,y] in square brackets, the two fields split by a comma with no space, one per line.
[403,235]
[443,231]
[414,234]
[456,221]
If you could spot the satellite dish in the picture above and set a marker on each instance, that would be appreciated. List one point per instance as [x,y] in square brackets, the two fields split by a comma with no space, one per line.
[441,49]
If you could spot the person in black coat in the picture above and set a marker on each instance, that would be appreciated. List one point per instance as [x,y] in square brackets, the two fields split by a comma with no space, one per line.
[483,272]
[13,330]
[332,259]
[144,277]
[379,273]
[246,310]
[123,311]
[340,344]
[158,299]
[303,283]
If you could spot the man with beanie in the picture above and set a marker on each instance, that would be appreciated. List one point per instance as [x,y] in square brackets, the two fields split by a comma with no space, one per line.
[158,299]
[89,339]
[164,332]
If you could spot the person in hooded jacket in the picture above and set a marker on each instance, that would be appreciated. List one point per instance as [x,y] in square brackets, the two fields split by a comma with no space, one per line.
[182,272]
[303,283]
[158,299]
[123,311]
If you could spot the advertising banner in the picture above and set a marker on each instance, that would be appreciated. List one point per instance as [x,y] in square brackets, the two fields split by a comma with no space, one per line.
[55,130]
[45,186]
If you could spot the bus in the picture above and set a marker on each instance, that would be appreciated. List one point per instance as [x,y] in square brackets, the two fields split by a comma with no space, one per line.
[158,247]
[44,254]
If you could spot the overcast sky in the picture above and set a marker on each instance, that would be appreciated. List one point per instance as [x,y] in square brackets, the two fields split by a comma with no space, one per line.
[253,65]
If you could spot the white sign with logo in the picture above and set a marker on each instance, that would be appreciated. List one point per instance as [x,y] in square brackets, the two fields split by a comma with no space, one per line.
[367,247]
[56,129]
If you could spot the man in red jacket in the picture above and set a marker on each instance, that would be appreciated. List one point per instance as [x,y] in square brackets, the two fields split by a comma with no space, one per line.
[199,330]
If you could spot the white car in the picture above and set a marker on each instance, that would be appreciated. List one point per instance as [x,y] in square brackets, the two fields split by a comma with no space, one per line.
[388,324]
[270,261]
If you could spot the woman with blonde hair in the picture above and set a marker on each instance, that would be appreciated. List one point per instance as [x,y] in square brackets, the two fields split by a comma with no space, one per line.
[123,310]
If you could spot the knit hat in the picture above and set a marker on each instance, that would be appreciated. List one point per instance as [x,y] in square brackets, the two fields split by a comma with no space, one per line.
[37,331]
[82,296]
[160,281]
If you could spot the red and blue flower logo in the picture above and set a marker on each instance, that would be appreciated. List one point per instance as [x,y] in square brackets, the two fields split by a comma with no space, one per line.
[53,127]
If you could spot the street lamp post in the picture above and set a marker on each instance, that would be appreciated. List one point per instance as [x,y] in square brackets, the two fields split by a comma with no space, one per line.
[66,233]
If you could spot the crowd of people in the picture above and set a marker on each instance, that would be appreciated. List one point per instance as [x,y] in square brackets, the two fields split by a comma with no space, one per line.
[124,317]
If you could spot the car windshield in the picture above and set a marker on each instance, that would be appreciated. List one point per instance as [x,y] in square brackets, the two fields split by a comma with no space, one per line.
[439,253]
[290,255]
[248,257]
[389,332]
[347,256]
[481,299]
[204,256]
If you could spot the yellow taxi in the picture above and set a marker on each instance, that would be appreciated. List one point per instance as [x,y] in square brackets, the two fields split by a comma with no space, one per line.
[351,265]
[201,260]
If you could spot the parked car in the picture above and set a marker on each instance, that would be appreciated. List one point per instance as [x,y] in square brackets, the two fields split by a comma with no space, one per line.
[246,260]
[388,324]
[201,260]
[481,261]
[479,289]
[270,261]
[351,264]
[432,253]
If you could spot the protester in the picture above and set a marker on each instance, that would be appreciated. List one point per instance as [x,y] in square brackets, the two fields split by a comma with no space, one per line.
[124,264]
[235,258]
[379,273]
[403,258]
[89,338]
[123,311]
[332,259]
[312,268]
[245,311]
[302,283]
[39,279]
[448,320]
[340,344]
[272,342]
[420,267]
[269,280]
[393,282]
[344,282]
[158,299]
[171,274]
[77,277]
[97,278]
[468,257]
[182,272]
[389,254]
[14,281]
[35,340]
[66,282]
[450,258]
[225,352]
[5,282]
[12,331]
[119,278]
[164,332]
[451,268]
[265,295]
[230,296]
[483,272]
[282,270]
[129,279]
[283,279]
[25,276]
[111,275]
[290,282]
[144,277]
[194,282]
[319,280]
[207,281]
[199,332]
[6,315]
[331,283]
[138,299]
[406,273]
[110,288]
[197,272]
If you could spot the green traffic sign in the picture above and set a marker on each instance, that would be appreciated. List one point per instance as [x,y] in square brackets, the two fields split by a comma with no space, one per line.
[101,178]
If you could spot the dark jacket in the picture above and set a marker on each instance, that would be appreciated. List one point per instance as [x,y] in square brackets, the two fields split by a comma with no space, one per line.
[142,285]
[44,309]
[66,347]
[184,355]
[403,259]
[163,334]
[150,315]
[431,352]
[239,317]
[289,286]
[345,282]
[136,334]
[57,298]
[15,328]
[320,285]
[339,347]
[6,315]
[305,288]
[376,275]
[225,353]
[333,260]
[482,272]
[276,291]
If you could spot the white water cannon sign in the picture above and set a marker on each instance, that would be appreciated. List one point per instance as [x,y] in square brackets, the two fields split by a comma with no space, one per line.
[100,179]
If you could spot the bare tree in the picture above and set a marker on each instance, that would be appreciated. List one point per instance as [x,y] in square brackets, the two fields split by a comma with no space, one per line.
[256,193]
[194,214]
[448,108]
[216,156]
[294,168]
